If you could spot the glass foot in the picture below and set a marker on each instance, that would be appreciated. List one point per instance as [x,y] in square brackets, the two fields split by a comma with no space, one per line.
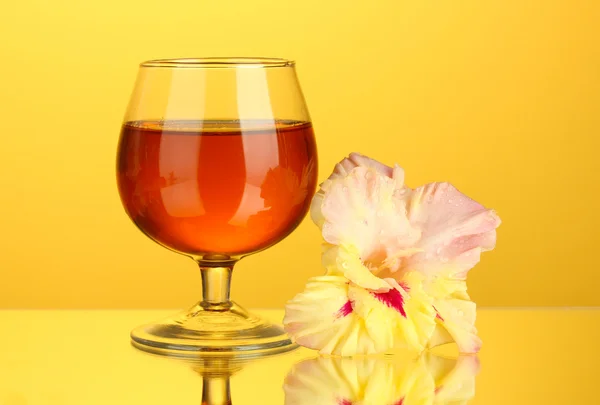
[219,330]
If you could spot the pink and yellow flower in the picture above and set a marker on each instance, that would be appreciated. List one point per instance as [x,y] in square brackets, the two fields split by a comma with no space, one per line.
[396,261]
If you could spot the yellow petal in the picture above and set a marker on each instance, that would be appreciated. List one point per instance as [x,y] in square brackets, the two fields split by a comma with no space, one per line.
[456,313]
[402,317]
[322,318]
[317,316]
[345,260]
[338,317]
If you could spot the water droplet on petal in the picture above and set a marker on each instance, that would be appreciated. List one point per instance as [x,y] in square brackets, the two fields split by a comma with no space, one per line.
[368,175]
[345,265]
[461,313]
[399,192]
[439,250]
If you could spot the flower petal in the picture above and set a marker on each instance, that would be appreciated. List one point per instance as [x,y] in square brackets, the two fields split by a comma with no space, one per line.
[457,317]
[455,312]
[364,161]
[351,208]
[316,209]
[335,317]
[364,210]
[345,260]
[342,169]
[318,315]
[402,317]
[319,318]
[453,327]
[455,229]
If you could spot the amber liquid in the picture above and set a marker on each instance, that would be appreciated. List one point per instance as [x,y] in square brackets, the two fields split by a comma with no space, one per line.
[212,188]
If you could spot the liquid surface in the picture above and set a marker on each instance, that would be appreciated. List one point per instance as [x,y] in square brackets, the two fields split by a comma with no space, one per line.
[217,187]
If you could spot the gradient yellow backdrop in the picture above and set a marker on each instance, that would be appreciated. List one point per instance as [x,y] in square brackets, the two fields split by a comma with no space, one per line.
[502,98]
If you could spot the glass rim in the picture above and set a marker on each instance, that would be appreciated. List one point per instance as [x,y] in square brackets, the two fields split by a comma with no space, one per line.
[219,62]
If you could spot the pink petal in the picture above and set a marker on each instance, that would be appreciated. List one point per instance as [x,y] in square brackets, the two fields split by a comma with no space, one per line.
[455,229]
[356,159]
[362,209]
[342,169]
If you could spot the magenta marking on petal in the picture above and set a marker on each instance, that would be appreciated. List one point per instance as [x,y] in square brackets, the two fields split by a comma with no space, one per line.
[345,310]
[404,286]
[437,314]
[399,402]
[344,402]
[392,299]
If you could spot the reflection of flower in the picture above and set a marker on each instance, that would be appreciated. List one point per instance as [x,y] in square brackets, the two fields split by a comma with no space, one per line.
[396,262]
[285,192]
[283,184]
[381,381]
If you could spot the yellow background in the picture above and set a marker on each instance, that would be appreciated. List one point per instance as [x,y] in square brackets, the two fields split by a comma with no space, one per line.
[502,98]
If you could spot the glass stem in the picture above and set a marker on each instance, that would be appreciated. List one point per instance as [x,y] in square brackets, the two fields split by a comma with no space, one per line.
[215,390]
[216,283]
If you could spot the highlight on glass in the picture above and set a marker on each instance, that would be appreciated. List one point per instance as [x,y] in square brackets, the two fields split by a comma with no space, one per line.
[217,160]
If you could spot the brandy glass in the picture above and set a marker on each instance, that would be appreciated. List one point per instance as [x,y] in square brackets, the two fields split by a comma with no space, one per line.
[216,160]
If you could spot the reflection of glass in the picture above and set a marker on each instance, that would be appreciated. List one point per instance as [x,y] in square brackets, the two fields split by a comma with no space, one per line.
[216,373]
[217,160]
[428,379]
